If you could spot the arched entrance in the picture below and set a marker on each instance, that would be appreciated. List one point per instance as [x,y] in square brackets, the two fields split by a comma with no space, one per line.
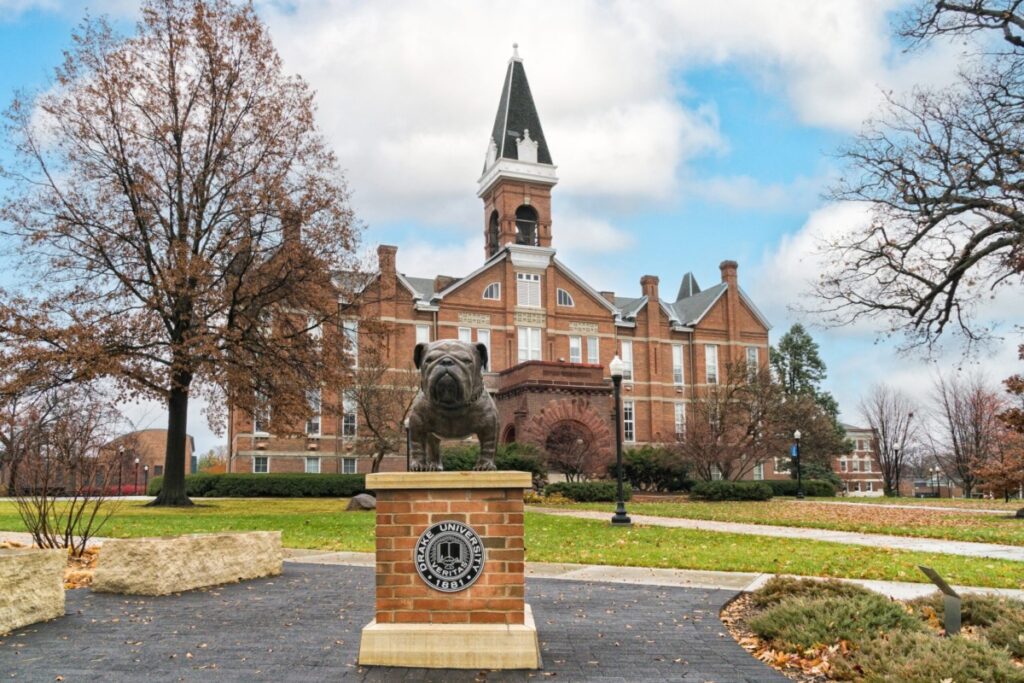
[575,436]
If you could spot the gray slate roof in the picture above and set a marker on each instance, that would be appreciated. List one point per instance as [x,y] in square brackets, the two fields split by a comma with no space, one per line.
[516,113]
[690,309]
[424,286]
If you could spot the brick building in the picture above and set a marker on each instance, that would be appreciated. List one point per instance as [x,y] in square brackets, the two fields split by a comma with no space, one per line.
[550,334]
[149,448]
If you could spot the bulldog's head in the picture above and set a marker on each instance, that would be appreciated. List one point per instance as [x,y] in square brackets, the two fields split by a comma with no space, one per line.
[451,371]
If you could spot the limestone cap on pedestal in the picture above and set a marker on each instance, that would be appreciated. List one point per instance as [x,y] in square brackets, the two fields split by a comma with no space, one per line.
[504,479]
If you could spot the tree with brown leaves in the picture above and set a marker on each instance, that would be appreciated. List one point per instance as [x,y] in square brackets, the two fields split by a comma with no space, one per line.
[180,218]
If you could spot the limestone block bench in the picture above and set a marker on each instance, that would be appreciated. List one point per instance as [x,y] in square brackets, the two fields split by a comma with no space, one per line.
[171,564]
[31,586]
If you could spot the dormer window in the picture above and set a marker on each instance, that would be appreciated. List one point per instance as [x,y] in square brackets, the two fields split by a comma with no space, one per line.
[526,225]
[493,291]
[565,298]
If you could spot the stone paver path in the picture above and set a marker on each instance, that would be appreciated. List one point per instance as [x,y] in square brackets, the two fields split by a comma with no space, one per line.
[928,545]
[304,626]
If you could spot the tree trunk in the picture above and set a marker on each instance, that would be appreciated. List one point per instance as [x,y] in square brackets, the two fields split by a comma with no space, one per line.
[172,492]
[12,470]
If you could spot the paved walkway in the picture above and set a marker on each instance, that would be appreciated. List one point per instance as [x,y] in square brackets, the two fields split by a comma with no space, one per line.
[304,626]
[927,545]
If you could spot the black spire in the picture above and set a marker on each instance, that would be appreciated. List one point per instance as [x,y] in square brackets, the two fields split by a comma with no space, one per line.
[517,115]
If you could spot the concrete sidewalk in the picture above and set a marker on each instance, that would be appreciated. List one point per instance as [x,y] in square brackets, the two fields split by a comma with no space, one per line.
[650,576]
[926,545]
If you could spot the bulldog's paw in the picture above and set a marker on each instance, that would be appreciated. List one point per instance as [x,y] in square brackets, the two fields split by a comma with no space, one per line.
[485,465]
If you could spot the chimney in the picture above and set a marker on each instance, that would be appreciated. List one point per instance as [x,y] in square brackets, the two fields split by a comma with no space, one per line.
[386,264]
[649,287]
[609,297]
[442,282]
[728,269]
[291,226]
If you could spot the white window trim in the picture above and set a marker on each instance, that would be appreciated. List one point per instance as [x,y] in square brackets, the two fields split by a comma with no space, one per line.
[466,334]
[483,336]
[347,408]
[355,465]
[422,334]
[350,329]
[318,415]
[679,419]
[629,421]
[627,359]
[594,350]
[564,298]
[578,340]
[525,352]
[494,289]
[711,350]
[259,457]
[528,284]
[678,375]
[319,464]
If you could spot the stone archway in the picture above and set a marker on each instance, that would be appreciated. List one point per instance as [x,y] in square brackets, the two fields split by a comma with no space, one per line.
[575,417]
[509,435]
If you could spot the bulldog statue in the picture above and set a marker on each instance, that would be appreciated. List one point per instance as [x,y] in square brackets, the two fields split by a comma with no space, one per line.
[451,404]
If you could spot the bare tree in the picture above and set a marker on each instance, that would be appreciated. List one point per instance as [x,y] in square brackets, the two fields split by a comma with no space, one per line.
[180,217]
[942,174]
[891,416]
[569,449]
[63,484]
[381,395]
[966,411]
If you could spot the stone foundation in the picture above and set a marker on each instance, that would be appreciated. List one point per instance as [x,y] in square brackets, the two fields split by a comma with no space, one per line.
[484,625]
[31,586]
[158,566]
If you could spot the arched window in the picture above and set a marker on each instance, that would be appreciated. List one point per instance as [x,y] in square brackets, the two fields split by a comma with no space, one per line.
[526,225]
[492,235]
[493,291]
[565,298]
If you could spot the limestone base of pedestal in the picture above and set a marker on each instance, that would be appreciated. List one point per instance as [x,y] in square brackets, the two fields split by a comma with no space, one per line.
[452,646]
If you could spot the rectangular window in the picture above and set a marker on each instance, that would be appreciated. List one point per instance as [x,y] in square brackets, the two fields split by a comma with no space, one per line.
[716,474]
[711,363]
[628,421]
[312,465]
[677,364]
[422,334]
[528,289]
[871,486]
[529,343]
[466,334]
[593,351]
[842,465]
[313,423]
[752,363]
[867,465]
[315,331]
[261,415]
[855,465]
[575,349]
[260,464]
[158,470]
[350,328]
[759,472]
[627,360]
[348,465]
[680,420]
[483,336]
[348,417]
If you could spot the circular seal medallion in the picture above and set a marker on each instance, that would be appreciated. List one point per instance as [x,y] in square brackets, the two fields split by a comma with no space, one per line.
[449,556]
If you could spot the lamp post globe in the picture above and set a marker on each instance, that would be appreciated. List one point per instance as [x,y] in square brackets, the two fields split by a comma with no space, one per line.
[136,476]
[799,472]
[615,368]
[145,481]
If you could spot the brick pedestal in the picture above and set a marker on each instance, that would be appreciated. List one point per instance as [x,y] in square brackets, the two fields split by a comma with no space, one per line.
[486,625]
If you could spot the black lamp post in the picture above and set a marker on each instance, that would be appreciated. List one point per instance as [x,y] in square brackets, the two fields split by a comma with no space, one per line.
[408,446]
[120,467]
[136,491]
[799,472]
[145,481]
[620,518]
[935,481]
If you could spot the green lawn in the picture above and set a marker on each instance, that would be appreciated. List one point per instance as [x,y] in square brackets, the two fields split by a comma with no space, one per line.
[323,523]
[920,521]
[965,503]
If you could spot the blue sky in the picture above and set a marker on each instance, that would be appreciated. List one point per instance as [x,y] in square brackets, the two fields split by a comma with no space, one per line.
[684,133]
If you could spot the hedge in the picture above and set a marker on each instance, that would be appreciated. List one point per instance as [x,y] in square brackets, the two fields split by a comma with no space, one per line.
[587,491]
[513,457]
[268,485]
[812,487]
[649,468]
[731,490]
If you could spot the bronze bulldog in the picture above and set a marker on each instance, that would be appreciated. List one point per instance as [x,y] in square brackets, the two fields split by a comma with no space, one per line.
[451,404]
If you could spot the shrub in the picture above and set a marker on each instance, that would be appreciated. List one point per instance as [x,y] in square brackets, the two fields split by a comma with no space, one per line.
[796,624]
[513,456]
[779,588]
[649,468]
[916,657]
[268,485]
[812,487]
[587,491]
[999,620]
[731,490]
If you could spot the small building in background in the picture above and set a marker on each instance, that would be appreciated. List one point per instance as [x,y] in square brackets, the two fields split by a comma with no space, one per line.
[149,447]
[860,470]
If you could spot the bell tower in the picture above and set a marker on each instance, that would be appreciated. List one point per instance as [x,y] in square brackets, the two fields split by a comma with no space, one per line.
[518,173]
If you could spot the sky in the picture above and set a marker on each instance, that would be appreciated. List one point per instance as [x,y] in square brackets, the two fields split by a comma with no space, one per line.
[685,133]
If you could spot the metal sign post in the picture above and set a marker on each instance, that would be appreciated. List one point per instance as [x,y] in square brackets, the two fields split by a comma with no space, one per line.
[951,601]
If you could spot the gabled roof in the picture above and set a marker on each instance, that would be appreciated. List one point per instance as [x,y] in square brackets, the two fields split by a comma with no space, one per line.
[422,287]
[584,285]
[517,114]
[629,307]
[691,309]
